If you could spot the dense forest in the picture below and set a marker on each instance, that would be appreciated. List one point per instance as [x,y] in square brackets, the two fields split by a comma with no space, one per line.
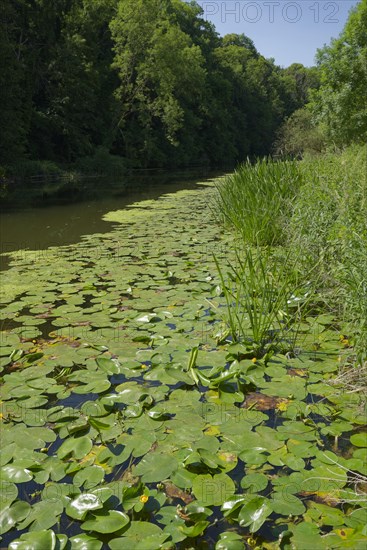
[87,83]
[151,82]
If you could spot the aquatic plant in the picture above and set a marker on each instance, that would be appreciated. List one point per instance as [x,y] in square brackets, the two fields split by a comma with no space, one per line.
[265,299]
[124,424]
[257,200]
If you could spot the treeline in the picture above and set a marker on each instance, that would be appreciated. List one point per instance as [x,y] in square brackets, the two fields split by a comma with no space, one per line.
[148,81]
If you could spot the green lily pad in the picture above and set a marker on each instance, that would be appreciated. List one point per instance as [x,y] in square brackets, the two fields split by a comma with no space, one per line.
[110,366]
[232,504]
[8,493]
[254,513]
[37,540]
[75,446]
[85,502]
[254,483]
[89,476]
[43,515]
[194,530]
[108,522]
[359,440]
[12,515]
[15,473]
[140,535]
[230,541]
[287,504]
[85,542]
[156,467]
[213,490]
[307,536]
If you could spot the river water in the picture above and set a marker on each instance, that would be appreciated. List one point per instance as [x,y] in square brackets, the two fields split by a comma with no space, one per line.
[61,224]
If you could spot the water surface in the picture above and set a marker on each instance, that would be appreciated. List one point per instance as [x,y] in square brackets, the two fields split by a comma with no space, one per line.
[41,227]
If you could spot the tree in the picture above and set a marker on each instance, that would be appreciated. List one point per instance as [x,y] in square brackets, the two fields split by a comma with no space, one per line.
[15,110]
[298,81]
[149,80]
[340,103]
[73,86]
[162,77]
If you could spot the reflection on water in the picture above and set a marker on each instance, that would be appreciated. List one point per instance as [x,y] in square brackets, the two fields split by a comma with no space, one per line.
[42,227]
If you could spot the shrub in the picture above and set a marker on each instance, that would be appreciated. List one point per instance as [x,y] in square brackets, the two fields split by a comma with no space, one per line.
[102,163]
[26,169]
[299,136]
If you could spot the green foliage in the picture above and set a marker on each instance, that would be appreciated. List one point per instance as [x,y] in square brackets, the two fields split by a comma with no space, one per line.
[27,168]
[162,76]
[137,429]
[265,301]
[317,210]
[300,82]
[15,102]
[257,199]
[102,163]
[299,136]
[328,228]
[340,103]
[57,79]
[150,81]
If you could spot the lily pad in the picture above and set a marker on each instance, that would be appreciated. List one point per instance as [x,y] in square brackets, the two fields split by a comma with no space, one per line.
[75,446]
[108,522]
[156,467]
[85,502]
[12,515]
[37,540]
[140,535]
[213,490]
[254,513]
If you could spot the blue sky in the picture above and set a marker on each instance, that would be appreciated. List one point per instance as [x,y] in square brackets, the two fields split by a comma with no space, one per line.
[288,31]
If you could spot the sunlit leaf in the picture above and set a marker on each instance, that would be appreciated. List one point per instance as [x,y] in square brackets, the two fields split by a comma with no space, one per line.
[254,513]
[108,522]
[78,507]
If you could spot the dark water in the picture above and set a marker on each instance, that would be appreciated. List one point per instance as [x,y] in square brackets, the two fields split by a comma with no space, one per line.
[62,224]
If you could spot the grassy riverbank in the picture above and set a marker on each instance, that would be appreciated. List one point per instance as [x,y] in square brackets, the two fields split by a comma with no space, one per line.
[309,218]
[148,402]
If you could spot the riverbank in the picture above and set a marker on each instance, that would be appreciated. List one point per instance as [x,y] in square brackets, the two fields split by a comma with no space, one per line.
[130,418]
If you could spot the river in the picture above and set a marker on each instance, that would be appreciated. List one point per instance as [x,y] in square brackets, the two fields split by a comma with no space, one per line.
[130,419]
[38,228]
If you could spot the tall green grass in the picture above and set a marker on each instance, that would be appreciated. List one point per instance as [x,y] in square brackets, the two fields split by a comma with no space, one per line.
[257,200]
[266,300]
[316,210]
[329,227]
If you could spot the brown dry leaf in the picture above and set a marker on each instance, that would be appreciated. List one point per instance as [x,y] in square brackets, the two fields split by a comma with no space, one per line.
[322,498]
[175,492]
[128,477]
[42,343]
[182,515]
[297,372]
[262,402]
